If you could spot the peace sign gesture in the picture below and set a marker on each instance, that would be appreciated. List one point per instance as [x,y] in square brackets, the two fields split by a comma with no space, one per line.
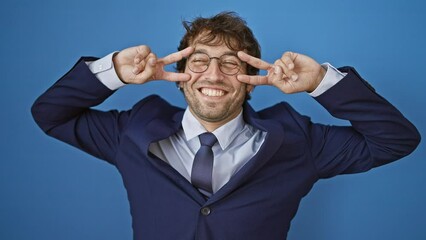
[292,73]
[139,65]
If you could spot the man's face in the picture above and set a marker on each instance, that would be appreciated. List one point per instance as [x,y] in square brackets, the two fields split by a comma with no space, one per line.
[213,96]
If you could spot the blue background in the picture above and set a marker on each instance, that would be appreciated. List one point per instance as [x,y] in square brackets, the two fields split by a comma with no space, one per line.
[52,191]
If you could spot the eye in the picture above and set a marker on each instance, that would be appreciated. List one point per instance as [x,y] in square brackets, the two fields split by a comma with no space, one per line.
[230,61]
[199,59]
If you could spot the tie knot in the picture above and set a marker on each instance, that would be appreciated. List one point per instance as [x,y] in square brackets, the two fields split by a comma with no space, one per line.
[207,139]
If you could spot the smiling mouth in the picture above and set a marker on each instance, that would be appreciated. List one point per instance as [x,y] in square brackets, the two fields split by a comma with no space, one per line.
[210,92]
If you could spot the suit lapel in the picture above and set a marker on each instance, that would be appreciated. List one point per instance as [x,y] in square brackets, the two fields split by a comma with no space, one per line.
[169,124]
[273,140]
[155,131]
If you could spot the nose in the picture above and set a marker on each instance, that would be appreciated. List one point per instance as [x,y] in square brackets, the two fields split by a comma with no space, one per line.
[213,72]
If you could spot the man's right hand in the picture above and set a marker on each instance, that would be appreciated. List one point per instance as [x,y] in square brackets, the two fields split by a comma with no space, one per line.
[139,65]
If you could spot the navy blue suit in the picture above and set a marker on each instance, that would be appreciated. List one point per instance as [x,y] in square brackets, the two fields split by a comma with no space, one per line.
[261,199]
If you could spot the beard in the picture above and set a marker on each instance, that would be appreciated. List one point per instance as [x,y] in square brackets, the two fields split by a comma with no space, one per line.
[211,111]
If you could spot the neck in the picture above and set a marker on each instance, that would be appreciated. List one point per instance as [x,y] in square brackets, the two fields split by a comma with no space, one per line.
[210,126]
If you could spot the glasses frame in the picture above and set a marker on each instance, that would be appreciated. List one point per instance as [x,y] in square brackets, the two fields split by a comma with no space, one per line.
[219,59]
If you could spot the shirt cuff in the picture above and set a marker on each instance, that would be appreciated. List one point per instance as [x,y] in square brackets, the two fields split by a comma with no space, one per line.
[331,78]
[104,70]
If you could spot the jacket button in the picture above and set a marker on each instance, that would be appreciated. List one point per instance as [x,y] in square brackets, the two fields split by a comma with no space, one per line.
[205,211]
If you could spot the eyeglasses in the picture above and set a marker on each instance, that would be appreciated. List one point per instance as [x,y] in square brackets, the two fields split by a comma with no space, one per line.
[229,63]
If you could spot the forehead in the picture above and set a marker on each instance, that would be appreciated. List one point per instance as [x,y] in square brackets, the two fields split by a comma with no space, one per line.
[207,42]
[213,50]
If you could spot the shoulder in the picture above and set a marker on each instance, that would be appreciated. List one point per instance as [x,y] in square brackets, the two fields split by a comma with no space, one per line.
[154,106]
[282,112]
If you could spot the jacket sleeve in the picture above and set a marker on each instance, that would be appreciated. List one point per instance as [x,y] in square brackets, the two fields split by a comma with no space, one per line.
[379,134]
[64,112]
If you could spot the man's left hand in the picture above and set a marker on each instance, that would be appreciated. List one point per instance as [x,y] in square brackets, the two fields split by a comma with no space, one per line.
[292,73]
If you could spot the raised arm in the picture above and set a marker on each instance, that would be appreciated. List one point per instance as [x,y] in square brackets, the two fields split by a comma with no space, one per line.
[379,133]
[65,111]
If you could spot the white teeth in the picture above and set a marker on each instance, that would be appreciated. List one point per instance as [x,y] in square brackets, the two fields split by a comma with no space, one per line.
[212,92]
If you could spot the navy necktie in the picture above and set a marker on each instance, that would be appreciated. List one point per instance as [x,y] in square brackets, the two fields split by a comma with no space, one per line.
[202,168]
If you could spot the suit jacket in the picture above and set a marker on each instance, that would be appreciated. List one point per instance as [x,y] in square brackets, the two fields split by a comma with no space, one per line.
[261,199]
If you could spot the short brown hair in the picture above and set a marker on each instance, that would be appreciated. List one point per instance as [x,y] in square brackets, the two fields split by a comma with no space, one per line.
[225,27]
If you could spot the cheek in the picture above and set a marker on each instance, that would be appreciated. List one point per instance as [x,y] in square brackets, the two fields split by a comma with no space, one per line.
[189,85]
[186,70]
[240,87]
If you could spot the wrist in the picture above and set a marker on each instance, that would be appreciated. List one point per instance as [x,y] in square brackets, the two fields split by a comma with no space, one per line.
[117,67]
[320,76]
[105,71]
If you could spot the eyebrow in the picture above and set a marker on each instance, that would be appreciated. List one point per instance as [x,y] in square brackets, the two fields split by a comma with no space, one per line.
[234,53]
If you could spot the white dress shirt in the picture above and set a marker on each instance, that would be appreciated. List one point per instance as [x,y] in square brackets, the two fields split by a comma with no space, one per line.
[237,142]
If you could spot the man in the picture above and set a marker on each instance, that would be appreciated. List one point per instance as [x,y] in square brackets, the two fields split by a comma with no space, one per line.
[248,181]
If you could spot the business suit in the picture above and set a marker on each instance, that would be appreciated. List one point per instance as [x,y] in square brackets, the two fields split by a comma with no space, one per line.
[261,198]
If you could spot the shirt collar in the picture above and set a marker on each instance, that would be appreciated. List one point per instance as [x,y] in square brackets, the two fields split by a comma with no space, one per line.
[224,134]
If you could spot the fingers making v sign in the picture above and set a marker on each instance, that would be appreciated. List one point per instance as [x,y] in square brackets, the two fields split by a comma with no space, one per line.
[292,73]
[139,65]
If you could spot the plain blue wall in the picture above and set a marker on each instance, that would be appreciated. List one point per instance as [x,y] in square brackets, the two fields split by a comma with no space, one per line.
[52,191]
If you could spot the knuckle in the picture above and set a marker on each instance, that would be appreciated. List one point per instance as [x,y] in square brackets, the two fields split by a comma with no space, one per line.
[281,64]
[144,49]
[287,55]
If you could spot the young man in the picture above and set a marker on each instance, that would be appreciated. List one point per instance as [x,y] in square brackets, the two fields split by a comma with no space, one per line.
[248,181]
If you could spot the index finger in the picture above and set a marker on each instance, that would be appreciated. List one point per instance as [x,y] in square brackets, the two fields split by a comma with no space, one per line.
[177,56]
[254,61]
[253,79]
[175,77]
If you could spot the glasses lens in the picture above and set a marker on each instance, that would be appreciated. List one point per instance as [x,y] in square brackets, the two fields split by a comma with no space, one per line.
[230,64]
[198,62]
